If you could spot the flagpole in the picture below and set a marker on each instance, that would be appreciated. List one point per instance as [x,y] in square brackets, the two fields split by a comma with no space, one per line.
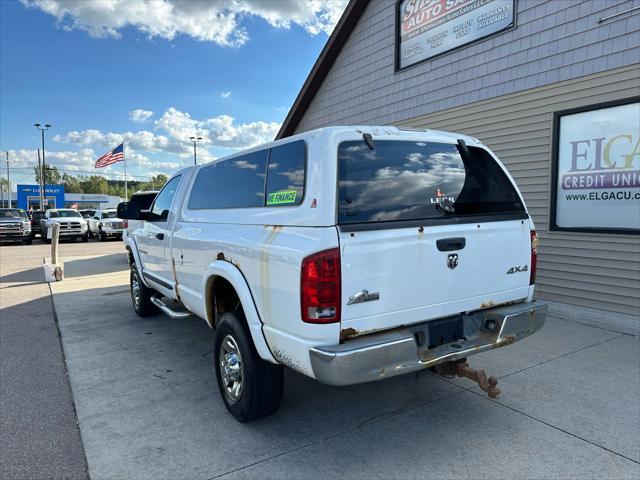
[126,187]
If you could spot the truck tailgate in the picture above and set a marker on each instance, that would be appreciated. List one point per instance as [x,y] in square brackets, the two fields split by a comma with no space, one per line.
[409,277]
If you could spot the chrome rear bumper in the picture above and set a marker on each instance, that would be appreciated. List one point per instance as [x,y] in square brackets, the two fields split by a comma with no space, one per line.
[387,354]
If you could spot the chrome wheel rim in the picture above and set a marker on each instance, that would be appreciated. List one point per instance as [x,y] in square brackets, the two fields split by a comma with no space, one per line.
[231,368]
[135,290]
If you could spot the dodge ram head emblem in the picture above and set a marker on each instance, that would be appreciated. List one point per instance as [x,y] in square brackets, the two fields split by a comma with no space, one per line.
[452,260]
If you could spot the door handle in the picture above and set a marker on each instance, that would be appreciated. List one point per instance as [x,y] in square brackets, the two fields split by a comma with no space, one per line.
[450,244]
[160,236]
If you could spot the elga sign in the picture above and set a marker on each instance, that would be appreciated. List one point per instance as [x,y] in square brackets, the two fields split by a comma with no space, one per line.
[427,28]
[596,171]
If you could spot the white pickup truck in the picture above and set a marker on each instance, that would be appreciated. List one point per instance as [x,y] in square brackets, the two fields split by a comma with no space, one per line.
[348,254]
[72,225]
[105,224]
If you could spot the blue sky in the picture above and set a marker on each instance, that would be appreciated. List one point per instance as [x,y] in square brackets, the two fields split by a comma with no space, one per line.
[226,71]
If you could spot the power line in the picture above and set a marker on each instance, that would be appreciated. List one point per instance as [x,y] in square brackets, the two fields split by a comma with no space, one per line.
[64,170]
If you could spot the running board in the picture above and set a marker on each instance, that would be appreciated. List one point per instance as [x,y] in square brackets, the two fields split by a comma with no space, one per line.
[158,302]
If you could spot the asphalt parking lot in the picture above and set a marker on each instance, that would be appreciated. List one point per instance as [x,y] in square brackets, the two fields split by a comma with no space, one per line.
[148,407]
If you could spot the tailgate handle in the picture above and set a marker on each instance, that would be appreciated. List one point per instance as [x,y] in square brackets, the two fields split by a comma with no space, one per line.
[450,244]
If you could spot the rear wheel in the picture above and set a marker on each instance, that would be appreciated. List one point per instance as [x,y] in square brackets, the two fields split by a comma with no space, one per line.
[140,294]
[250,387]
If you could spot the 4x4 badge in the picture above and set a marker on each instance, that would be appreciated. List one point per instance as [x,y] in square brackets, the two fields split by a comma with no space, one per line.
[452,260]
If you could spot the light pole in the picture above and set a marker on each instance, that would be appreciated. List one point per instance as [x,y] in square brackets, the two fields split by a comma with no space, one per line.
[195,141]
[8,179]
[44,168]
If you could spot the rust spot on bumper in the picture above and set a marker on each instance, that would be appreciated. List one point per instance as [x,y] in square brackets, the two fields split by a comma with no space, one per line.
[347,332]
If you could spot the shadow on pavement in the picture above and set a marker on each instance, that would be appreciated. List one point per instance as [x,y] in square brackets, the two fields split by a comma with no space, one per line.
[32,275]
[95,265]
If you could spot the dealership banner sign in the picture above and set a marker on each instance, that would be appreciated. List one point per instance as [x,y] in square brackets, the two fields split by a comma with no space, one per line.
[428,28]
[597,169]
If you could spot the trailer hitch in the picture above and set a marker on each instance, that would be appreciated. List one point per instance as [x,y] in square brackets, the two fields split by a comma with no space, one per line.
[461,368]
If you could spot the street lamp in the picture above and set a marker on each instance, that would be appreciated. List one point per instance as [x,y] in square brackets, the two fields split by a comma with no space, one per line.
[42,130]
[8,179]
[195,141]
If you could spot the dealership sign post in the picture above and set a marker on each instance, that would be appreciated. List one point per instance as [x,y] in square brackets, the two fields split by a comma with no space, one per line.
[427,28]
[596,168]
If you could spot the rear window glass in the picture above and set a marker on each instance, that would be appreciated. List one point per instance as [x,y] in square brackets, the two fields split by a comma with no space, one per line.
[403,180]
[285,179]
[234,183]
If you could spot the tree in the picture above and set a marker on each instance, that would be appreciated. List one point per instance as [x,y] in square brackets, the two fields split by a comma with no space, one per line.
[94,184]
[158,181]
[52,176]
[71,184]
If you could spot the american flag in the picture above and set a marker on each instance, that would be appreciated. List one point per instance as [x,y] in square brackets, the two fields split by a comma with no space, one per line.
[115,155]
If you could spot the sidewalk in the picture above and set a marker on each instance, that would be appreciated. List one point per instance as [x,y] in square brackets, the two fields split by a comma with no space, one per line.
[148,404]
[39,436]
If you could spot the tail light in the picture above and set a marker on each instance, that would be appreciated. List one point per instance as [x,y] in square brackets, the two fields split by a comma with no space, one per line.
[320,287]
[534,256]
[125,223]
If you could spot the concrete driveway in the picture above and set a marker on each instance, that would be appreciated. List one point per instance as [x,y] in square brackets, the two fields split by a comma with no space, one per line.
[148,405]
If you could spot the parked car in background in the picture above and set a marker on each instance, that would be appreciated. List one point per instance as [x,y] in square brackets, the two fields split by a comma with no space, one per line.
[72,225]
[349,254]
[140,201]
[104,224]
[36,217]
[87,213]
[14,225]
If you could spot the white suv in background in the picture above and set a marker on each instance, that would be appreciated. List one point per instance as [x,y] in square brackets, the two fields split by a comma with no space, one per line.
[348,254]
[105,223]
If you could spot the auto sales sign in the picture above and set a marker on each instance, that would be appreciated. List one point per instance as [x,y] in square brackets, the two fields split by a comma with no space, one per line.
[430,27]
[597,177]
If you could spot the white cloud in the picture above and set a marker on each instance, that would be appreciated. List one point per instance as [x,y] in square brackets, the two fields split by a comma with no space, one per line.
[225,94]
[171,136]
[220,131]
[140,116]
[23,161]
[218,21]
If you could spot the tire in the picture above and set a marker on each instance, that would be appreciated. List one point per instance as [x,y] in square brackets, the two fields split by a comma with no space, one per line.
[28,241]
[142,301]
[85,238]
[103,236]
[261,382]
[48,240]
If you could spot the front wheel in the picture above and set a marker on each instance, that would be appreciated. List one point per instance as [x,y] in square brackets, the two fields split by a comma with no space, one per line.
[28,241]
[103,236]
[140,294]
[85,238]
[250,387]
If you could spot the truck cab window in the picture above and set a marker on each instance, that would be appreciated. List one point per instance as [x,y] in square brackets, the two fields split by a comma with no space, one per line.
[161,206]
